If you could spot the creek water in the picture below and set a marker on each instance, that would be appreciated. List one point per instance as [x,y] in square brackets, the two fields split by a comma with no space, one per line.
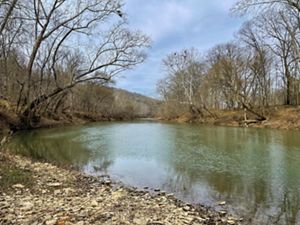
[256,171]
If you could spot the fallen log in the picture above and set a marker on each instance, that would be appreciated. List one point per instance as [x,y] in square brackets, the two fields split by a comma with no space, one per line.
[251,121]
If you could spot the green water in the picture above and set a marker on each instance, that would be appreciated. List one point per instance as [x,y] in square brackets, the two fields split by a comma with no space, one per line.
[256,171]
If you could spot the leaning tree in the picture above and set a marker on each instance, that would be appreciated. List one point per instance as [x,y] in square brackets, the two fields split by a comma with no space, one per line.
[68,42]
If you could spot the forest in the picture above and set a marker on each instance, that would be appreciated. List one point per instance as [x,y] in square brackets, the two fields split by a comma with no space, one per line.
[257,70]
[59,58]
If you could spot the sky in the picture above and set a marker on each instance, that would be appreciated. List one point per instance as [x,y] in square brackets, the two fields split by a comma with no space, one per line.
[173,25]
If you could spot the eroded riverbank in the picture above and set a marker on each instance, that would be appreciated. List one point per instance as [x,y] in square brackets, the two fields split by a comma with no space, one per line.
[53,195]
[277,118]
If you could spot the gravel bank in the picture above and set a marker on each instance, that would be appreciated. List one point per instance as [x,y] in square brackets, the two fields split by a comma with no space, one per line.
[54,195]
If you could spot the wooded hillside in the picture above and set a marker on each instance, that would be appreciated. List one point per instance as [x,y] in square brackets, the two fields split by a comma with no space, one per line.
[57,56]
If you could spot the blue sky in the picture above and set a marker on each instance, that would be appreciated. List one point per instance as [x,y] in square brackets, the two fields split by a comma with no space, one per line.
[173,25]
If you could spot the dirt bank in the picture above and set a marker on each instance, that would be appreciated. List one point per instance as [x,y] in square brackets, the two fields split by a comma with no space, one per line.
[281,117]
[41,193]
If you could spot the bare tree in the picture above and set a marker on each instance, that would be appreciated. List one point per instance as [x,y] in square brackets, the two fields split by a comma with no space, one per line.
[185,83]
[279,22]
[185,67]
[229,68]
[92,36]
[283,35]
[259,63]
[10,28]
[243,6]
[7,7]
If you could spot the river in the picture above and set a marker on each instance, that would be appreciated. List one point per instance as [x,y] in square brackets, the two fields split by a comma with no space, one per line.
[256,171]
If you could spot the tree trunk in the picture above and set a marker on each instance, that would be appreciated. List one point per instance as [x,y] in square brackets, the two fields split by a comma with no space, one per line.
[288,90]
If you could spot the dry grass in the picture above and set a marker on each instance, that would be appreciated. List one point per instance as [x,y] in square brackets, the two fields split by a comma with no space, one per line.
[284,118]
[278,117]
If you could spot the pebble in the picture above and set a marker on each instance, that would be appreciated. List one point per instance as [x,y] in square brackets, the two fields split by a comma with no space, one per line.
[51,222]
[222,203]
[186,208]
[222,213]
[94,203]
[231,222]
[18,186]
[170,195]
[54,184]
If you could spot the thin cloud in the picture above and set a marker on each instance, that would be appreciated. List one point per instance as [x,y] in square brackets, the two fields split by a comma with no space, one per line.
[173,25]
[161,19]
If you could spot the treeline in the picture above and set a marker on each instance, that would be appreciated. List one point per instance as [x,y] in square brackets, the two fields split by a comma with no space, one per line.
[259,69]
[110,103]
[57,55]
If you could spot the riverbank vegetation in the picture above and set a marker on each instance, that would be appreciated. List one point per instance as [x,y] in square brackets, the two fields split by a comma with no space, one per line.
[90,102]
[247,80]
[59,58]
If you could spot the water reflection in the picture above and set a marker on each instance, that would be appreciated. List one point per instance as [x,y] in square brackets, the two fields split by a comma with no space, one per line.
[52,145]
[256,171]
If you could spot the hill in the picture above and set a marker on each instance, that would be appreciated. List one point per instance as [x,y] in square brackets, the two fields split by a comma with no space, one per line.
[89,102]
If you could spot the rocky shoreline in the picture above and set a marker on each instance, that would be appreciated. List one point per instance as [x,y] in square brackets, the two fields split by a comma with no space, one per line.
[54,195]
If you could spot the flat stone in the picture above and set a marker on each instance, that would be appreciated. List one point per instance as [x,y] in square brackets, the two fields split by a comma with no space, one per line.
[107,182]
[186,208]
[51,222]
[222,213]
[18,186]
[222,203]
[231,222]
[231,218]
[54,184]
[201,220]
[170,195]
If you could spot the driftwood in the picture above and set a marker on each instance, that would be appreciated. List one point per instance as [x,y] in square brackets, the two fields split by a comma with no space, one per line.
[247,122]
[251,121]
[260,117]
